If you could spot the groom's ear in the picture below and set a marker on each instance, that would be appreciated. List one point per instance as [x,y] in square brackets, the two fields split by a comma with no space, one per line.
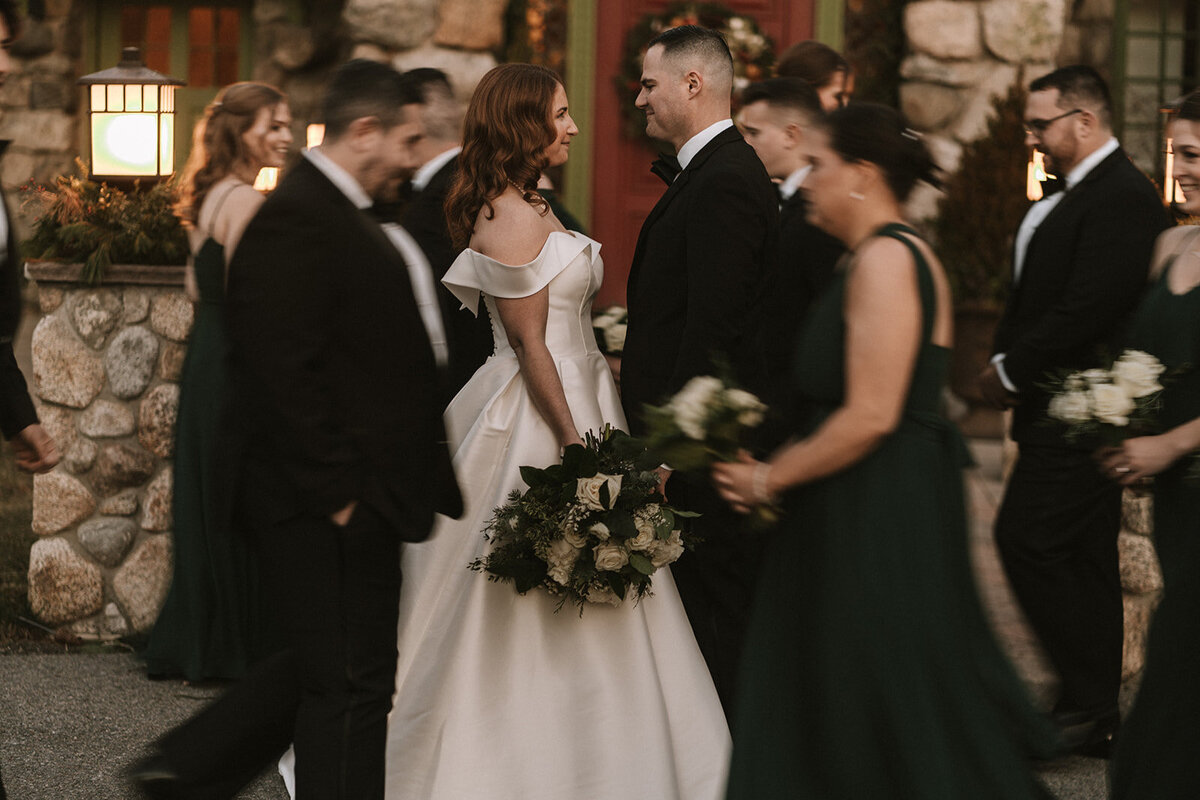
[694,81]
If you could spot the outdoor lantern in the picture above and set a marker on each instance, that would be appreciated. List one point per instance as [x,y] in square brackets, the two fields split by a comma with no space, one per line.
[1035,175]
[131,115]
[1171,191]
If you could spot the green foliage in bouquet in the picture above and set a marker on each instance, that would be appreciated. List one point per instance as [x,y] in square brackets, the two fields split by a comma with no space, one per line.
[1109,405]
[79,220]
[592,529]
[707,421]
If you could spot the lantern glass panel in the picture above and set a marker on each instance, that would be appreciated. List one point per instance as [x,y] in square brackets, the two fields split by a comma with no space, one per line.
[97,98]
[168,98]
[133,97]
[124,144]
[116,97]
[166,164]
[150,94]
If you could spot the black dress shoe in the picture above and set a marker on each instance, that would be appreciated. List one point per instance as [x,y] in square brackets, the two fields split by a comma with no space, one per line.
[156,779]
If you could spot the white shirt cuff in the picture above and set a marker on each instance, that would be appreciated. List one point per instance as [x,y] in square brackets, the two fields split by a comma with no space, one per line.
[998,361]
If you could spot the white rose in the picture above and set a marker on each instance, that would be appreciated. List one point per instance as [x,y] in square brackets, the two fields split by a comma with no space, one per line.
[610,557]
[1137,373]
[750,409]
[1071,407]
[690,406]
[600,531]
[560,559]
[644,521]
[574,538]
[587,491]
[1094,377]
[1111,404]
[605,595]
[667,550]
[614,337]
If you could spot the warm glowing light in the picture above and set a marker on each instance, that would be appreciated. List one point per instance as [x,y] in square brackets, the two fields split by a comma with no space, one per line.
[266,179]
[124,144]
[1172,193]
[314,135]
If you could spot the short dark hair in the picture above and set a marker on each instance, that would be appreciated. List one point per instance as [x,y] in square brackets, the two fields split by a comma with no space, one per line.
[694,40]
[881,136]
[1077,85]
[813,62]
[12,17]
[363,88]
[785,93]
[1187,107]
[429,81]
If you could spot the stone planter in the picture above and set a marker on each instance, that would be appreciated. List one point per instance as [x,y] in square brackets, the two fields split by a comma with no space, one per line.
[106,366]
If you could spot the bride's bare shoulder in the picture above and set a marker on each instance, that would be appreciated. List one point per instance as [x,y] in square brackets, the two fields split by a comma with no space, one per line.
[515,233]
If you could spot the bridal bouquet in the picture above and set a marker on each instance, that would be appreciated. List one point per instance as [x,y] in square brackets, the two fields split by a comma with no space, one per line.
[707,421]
[593,529]
[1113,403]
[610,326]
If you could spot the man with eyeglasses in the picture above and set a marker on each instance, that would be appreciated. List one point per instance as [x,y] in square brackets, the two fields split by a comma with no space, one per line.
[1080,260]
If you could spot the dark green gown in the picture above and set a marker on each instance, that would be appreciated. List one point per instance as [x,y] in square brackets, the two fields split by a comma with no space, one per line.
[206,628]
[1159,744]
[870,669]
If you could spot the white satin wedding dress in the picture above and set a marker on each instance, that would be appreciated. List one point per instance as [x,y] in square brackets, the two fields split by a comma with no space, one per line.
[497,696]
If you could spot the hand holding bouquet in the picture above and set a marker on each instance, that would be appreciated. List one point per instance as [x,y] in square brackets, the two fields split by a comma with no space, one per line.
[593,529]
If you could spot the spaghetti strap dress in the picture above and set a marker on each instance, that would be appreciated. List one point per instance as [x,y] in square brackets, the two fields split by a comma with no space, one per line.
[870,669]
[1159,742]
[208,627]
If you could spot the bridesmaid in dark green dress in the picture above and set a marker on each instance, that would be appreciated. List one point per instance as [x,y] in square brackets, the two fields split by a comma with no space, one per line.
[208,627]
[870,669]
[1160,741]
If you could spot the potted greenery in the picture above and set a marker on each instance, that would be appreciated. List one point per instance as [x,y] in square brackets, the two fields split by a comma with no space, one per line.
[979,213]
[79,221]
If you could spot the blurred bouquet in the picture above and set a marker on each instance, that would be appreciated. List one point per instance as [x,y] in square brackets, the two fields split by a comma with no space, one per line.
[593,529]
[1112,404]
[707,421]
[610,326]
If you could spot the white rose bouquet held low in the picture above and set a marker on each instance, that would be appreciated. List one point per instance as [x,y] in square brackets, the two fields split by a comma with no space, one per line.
[610,326]
[1111,404]
[706,421]
[593,529]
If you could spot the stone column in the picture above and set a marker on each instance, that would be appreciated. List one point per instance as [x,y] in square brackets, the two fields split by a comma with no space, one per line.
[106,365]
[1141,578]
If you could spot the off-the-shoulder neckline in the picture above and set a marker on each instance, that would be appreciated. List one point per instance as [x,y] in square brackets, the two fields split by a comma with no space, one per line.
[573,234]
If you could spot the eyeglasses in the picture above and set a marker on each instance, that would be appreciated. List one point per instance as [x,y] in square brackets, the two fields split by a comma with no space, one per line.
[1036,127]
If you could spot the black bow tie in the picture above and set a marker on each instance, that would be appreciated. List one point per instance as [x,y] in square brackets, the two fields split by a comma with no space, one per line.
[666,167]
[386,210]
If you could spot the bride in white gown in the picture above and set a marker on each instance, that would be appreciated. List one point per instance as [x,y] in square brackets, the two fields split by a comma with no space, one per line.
[497,696]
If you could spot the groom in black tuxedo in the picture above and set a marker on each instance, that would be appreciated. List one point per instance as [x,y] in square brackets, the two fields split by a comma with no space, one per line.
[342,457]
[696,296]
[1079,267]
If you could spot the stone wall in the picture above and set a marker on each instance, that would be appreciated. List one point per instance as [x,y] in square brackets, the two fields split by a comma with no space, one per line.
[106,366]
[1141,578]
[963,54]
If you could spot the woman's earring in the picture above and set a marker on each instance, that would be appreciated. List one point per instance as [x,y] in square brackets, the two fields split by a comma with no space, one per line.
[857,196]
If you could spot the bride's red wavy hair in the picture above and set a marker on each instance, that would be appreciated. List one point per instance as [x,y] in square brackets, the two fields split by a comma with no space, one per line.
[506,131]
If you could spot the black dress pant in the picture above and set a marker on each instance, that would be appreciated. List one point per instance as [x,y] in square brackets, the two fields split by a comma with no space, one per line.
[717,581]
[335,594]
[1057,534]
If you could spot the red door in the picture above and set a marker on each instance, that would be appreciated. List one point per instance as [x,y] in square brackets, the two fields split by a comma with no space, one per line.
[623,189]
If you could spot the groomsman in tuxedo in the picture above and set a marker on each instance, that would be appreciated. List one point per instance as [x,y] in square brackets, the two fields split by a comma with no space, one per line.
[335,347]
[695,296]
[1080,260]
[776,118]
[32,446]
[469,337]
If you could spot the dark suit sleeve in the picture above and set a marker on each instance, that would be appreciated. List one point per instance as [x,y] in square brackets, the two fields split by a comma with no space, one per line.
[16,407]
[1107,274]
[281,301]
[726,239]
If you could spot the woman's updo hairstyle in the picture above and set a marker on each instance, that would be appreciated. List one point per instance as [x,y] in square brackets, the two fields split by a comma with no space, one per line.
[881,136]
[1188,107]
[217,146]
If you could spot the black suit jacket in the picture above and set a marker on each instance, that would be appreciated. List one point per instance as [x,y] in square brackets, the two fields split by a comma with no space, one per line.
[468,338]
[1084,271]
[16,407]
[335,386]
[807,258]
[699,276]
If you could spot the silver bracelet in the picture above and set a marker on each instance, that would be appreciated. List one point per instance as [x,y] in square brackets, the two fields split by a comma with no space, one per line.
[761,473]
